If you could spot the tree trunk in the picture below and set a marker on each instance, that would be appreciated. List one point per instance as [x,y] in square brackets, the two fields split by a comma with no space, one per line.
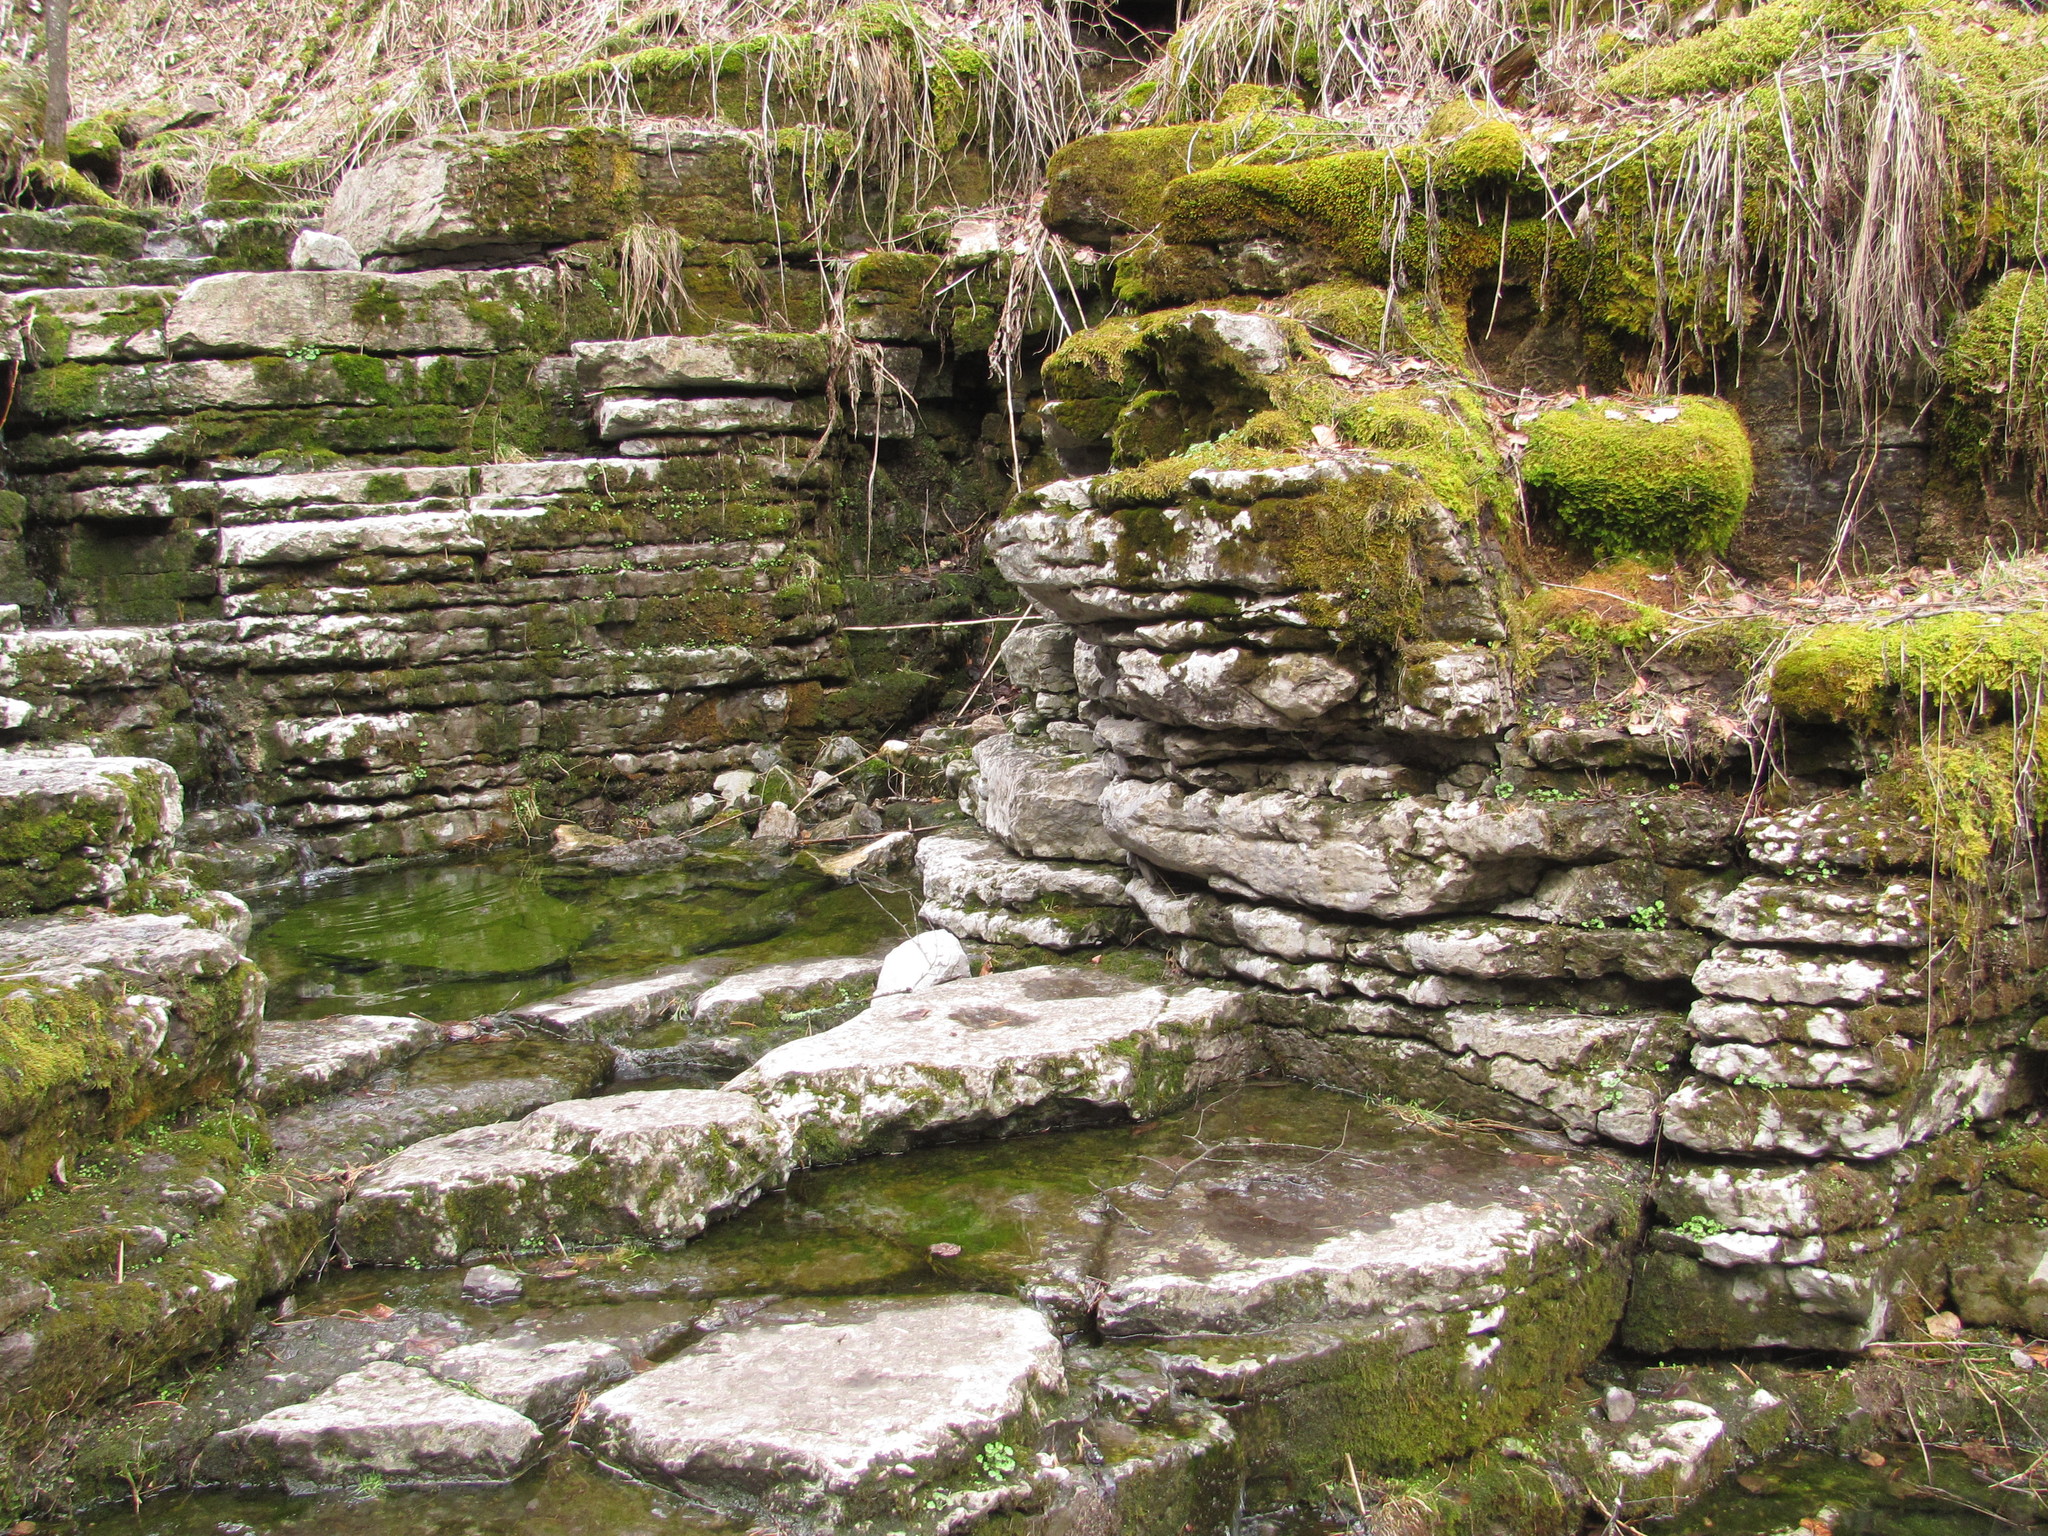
[57,50]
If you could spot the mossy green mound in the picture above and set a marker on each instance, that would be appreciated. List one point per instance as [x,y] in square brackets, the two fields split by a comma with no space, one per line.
[1858,674]
[1629,480]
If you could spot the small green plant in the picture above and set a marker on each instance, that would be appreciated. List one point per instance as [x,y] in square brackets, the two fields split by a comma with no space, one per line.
[997,1459]
[1699,1228]
[1650,918]
[305,352]
[370,1485]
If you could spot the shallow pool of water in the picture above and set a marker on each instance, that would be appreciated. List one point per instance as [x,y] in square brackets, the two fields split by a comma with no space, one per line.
[453,941]
[1910,1494]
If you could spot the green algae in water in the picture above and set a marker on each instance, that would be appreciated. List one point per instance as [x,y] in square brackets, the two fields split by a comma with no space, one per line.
[1900,1498]
[453,941]
[566,1496]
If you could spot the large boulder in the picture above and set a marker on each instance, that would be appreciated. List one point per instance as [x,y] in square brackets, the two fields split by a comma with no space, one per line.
[1042,802]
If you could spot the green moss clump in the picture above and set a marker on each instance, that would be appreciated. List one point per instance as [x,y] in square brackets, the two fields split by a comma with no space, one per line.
[54,184]
[1996,362]
[1107,186]
[1620,484]
[243,178]
[1969,796]
[1860,674]
[1444,435]
[1743,49]
[1348,310]
[1104,362]
[95,148]
[1489,149]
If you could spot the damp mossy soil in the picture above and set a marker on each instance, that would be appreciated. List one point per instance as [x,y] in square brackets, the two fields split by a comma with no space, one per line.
[457,940]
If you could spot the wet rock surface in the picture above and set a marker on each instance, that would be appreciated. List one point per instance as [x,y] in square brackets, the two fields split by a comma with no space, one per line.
[833,1400]
[1044,1045]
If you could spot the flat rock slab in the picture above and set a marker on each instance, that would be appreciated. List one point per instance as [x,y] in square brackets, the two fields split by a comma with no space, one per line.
[1035,1047]
[767,994]
[1386,1222]
[308,1058]
[389,1420]
[438,1091]
[648,1165]
[541,1381]
[828,1400]
[619,1007]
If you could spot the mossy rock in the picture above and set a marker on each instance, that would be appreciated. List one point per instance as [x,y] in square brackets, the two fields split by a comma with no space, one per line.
[1444,435]
[243,178]
[1630,480]
[1101,189]
[95,148]
[1860,674]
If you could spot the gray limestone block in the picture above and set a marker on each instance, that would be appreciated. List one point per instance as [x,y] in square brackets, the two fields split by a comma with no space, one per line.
[611,1008]
[1066,928]
[1682,1303]
[540,1380]
[765,993]
[1235,688]
[1766,975]
[1016,1046]
[387,1420]
[965,868]
[1043,803]
[1378,1231]
[307,1059]
[1592,893]
[738,360]
[1998,1278]
[89,824]
[628,416]
[652,1165]
[1712,1116]
[1040,657]
[239,314]
[1838,913]
[826,1401]
[1451,691]
[480,1082]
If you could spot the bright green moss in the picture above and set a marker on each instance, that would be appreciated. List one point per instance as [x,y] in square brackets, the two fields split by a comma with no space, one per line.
[1102,362]
[1109,185]
[1997,355]
[1444,435]
[1620,484]
[243,178]
[1743,49]
[1859,674]
[1358,313]
[1492,148]
[1968,794]
[55,184]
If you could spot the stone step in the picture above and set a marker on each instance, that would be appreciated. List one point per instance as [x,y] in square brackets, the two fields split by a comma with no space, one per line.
[655,1166]
[835,1405]
[313,1058]
[1026,1047]
[390,1421]
[438,1091]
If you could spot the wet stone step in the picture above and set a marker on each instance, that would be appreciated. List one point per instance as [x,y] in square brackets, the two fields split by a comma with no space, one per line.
[456,1086]
[834,1404]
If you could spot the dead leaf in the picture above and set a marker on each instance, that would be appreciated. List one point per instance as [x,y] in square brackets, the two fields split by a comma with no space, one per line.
[1871,1458]
[1813,1525]
[1749,1482]
[1943,1325]
[379,1312]
[944,1250]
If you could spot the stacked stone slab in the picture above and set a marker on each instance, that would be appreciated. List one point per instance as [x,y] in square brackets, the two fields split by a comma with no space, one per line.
[1435,901]
[369,549]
